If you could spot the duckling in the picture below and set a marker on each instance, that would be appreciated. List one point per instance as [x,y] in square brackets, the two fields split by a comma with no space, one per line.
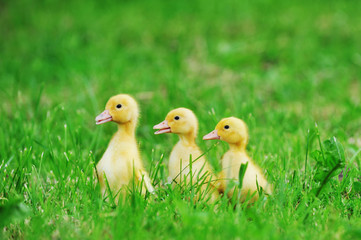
[234,131]
[184,123]
[121,160]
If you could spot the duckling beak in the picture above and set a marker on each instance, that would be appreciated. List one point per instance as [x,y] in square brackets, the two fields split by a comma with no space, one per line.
[103,117]
[212,135]
[163,128]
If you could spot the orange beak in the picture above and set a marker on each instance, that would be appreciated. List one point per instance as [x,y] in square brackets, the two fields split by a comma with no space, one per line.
[103,118]
[163,128]
[212,135]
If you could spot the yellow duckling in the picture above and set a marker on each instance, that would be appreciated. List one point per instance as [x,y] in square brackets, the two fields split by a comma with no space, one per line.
[121,160]
[234,131]
[184,123]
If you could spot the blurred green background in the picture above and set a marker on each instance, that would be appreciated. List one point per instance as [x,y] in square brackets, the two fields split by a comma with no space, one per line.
[274,62]
[279,65]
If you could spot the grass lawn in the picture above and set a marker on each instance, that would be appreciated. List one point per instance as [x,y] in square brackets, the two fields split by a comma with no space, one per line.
[281,66]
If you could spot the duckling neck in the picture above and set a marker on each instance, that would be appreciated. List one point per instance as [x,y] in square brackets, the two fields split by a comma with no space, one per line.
[237,147]
[126,129]
[187,139]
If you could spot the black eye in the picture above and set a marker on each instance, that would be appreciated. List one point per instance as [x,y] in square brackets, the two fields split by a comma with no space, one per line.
[226,127]
[176,118]
[119,106]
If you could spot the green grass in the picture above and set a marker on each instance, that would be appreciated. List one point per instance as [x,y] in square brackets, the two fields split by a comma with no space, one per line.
[281,66]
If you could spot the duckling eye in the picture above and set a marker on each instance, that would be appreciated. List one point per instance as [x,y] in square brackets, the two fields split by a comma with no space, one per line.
[176,118]
[226,127]
[119,106]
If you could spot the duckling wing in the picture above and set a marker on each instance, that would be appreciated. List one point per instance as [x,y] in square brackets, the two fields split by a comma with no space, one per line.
[143,176]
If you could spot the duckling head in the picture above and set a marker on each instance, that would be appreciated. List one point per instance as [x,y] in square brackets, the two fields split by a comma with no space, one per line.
[121,109]
[231,130]
[181,121]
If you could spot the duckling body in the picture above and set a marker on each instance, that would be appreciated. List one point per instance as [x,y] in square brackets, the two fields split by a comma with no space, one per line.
[121,160]
[117,161]
[183,122]
[234,132]
[179,161]
[231,163]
